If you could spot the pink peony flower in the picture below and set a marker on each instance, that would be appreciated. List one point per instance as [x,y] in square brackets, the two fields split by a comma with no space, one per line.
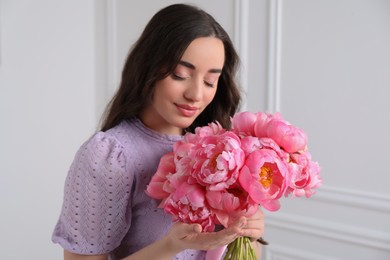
[250,144]
[243,123]
[265,177]
[289,137]
[213,161]
[305,175]
[211,129]
[188,204]
[159,186]
[262,121]
[214,176]
[228,205]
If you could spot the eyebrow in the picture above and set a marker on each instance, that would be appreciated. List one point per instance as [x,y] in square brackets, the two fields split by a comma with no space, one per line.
[191,66]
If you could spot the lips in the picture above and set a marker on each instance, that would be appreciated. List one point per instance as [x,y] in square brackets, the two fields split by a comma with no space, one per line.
[186,110]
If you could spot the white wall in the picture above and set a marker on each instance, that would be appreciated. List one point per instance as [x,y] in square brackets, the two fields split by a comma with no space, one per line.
[335,66]
[47,108]
[324,64]
[332,78]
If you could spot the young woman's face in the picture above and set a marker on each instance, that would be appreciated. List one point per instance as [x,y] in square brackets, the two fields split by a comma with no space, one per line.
[179,98]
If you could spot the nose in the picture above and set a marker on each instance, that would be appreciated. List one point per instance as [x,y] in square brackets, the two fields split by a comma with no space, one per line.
[194,91]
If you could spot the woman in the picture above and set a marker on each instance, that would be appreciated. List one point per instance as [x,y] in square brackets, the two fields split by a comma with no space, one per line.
[178,75]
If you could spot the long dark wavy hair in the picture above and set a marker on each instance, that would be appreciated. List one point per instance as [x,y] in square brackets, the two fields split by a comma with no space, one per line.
[156,54]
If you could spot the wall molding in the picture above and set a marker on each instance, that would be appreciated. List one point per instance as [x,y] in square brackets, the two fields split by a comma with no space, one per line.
[277,252]
[106,79]
[274,55]
[353,198]
[330,230]
[1,49]
[112,47]
[241,42]
[334,231]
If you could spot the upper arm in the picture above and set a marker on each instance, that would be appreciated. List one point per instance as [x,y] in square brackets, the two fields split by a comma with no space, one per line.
[71,256]
[95,217]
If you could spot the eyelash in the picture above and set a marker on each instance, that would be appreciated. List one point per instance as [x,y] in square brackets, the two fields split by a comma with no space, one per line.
[208,84]
[176,77]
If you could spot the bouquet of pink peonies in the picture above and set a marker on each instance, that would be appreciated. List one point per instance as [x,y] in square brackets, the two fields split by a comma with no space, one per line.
[214,176]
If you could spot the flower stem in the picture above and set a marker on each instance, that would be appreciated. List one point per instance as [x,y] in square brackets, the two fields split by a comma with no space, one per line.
[240,249]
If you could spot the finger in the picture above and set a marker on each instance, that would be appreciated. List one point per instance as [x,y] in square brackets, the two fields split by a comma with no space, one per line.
[227,235]
[257,220]
[237,225]
[185,230]
[234,230]
[253,234]
[218,239]
[197,228]
[255,226]
[255,223]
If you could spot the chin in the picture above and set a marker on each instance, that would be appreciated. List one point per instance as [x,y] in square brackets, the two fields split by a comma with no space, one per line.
[185,124]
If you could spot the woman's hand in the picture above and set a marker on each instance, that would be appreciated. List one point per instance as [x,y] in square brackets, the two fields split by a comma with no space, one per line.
[254,228]
[190,236]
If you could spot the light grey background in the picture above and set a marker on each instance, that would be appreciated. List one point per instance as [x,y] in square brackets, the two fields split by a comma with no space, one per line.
[324,64]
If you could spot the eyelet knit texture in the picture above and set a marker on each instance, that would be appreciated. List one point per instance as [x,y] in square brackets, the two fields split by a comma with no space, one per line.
[105,207]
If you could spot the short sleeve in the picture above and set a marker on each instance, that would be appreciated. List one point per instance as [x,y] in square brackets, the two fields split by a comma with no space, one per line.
[94,217]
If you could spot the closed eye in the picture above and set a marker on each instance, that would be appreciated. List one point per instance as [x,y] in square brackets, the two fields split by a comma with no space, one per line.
[177,77]
[209,84]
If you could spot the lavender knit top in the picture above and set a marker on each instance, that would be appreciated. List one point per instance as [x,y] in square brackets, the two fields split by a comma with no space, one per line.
[105,207]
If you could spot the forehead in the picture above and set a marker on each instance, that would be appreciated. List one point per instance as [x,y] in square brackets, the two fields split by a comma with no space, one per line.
[205,53]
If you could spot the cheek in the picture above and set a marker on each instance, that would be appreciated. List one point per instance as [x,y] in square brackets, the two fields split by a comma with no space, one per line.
[164,89]
[210,95]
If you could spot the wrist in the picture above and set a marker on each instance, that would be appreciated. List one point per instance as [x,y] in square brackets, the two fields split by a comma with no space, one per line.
[168,245]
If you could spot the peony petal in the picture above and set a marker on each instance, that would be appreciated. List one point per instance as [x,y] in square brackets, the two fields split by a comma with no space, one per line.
[271,205]
[243,123]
